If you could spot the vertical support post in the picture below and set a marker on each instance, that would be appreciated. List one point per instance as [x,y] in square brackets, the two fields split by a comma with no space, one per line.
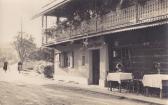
[136,11]
[42,25]
[95,4]
[146,91]
[161,93]
[46,26]
[46,22]
[138,88]
[42,21]
[110,85]
[120,87]
[133,88]
[58,19]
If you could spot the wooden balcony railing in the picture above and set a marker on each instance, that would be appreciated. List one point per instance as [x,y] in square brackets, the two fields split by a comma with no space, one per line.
[152,10]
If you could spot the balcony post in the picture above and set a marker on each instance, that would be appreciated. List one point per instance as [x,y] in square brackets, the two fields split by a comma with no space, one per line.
[42,24]
[46,22]
[58,20]
[136,11]
[46,27]
[95,4]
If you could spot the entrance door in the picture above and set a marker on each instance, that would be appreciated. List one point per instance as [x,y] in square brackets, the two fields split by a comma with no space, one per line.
[95,67]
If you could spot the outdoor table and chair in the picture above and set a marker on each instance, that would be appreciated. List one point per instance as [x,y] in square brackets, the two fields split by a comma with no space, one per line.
[118,77]
[144,84]
[136,85]
[157,81]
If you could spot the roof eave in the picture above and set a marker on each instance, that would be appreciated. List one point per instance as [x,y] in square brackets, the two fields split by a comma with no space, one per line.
[55,5]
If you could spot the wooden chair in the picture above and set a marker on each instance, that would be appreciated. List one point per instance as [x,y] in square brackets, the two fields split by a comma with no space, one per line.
[136,85]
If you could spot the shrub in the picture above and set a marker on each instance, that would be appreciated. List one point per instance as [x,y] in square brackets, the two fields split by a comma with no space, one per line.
[48,71]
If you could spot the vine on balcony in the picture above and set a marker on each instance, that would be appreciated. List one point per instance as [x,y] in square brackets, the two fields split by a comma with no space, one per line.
[81,10]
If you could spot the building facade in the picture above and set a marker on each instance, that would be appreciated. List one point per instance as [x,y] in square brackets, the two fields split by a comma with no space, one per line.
[90,38]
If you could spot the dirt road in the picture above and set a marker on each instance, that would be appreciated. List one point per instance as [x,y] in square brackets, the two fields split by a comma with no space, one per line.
[19,89]
[28,94]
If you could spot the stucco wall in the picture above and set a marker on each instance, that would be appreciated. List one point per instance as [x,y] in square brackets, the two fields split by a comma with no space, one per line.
[83,74]
[78,73]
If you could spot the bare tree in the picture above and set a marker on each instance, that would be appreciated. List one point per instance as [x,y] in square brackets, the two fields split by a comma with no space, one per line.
[24,45]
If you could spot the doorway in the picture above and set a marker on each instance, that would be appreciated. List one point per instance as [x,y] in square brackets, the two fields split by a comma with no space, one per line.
[95,66]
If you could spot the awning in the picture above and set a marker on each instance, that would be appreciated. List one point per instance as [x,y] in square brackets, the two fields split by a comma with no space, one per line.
[51,7]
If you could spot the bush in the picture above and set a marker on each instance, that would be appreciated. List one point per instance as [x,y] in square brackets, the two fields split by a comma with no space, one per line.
[48,71]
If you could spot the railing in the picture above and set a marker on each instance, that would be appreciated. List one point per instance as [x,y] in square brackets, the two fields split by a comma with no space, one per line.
[152,10]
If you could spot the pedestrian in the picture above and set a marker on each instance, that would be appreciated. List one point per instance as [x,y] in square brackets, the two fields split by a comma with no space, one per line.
[19,66]
[5,67]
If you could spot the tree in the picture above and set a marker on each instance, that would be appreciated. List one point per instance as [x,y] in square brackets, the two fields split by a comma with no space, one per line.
[46,54]
[24,45]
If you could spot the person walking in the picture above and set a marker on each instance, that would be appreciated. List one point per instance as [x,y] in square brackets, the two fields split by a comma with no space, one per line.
[5,67]
[19,66]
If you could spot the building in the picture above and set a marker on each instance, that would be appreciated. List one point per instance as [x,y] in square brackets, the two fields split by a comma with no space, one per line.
[91,36]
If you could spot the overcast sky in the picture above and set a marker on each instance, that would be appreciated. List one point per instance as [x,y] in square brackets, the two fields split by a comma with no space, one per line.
[11,12]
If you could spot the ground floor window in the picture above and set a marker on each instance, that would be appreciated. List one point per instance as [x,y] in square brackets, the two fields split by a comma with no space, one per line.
[66,59]
[119,56]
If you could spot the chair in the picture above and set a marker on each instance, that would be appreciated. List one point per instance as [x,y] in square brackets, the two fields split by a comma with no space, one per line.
[136,85]
[165,88]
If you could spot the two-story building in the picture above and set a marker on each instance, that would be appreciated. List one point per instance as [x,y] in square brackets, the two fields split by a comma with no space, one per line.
[91,36]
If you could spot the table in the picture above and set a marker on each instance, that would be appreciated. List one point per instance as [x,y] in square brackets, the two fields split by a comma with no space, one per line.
[118,77]
[155,81]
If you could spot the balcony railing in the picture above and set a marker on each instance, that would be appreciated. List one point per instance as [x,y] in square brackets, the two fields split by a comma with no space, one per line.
[152,10]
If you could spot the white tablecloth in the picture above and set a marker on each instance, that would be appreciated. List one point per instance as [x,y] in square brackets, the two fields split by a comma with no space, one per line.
[154,80]
[119,76]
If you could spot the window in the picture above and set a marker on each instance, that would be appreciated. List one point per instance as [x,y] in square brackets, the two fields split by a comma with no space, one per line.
[63,59]
[66,59]
[83,60]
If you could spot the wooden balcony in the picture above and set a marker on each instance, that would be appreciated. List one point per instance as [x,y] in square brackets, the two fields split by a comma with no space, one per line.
[136,15]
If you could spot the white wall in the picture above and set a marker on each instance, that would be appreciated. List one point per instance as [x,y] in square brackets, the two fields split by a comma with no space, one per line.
[83,74]
[78,73]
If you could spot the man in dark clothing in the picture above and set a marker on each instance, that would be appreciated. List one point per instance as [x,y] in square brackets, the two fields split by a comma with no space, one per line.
[5,67]
[19,66]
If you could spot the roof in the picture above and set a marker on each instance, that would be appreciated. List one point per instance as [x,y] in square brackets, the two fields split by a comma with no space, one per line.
[64,8]
[50,7]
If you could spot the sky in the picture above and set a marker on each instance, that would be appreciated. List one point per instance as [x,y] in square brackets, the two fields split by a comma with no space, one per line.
[11,14]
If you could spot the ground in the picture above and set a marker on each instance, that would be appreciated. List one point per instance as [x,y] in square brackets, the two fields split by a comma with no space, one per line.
[26,94]
[19,89]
